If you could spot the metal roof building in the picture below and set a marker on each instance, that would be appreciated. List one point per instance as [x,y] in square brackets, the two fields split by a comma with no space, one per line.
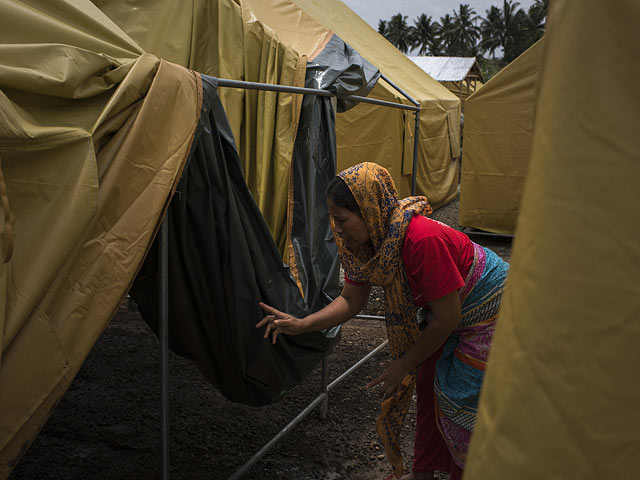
[461,75]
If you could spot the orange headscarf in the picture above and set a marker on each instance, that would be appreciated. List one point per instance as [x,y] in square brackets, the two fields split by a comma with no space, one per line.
[380,263]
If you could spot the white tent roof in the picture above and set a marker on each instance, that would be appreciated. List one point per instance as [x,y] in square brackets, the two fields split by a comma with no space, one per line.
[445,69]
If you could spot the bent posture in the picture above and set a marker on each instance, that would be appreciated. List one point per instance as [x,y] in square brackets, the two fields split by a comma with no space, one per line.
[420,263]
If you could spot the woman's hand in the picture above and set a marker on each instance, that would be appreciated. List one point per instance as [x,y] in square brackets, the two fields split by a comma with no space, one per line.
[278,322]
[392,378]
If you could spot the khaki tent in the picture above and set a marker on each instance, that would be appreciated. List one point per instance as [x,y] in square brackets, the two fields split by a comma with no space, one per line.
[94,134]
[498,132]
[560,397]
[73,115]
[277,37]
[384,135]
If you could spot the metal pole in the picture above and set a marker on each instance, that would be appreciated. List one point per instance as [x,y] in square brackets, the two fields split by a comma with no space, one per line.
[414,172]
[370,317]
[223,82]
[406,95]
[416,141]
[164,347]
[244,468]
[324,406]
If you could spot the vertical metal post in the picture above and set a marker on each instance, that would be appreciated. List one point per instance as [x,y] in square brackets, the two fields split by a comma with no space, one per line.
[416,140]
[324,382]
[164,347]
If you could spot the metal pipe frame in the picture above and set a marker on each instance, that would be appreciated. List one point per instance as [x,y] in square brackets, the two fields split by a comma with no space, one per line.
[317,401]
[486,234]
[323,398]
[164,347]
[414,170]
[223,82]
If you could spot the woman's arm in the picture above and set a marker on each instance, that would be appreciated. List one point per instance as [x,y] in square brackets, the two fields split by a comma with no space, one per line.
[446,317]
[352,299]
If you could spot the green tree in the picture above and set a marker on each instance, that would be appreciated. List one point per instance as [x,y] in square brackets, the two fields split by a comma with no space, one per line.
[537,19]
[464,34]
[491,30]
[446,36]
[424,35]
[382,27]
[507,28]
[398,32]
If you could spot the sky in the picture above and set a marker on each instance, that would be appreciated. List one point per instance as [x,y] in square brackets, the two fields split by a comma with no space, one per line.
[374,10]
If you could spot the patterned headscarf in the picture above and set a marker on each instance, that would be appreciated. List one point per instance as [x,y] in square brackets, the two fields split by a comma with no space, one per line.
[380,263]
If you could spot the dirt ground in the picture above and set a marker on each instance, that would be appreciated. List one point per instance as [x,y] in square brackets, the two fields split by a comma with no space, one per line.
[107,424]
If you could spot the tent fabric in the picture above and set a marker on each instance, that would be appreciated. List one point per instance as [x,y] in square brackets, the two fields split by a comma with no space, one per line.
[222,262]
[79,99]
[385,135]
[498,134]
[560,397]
[226,39]
[313,252]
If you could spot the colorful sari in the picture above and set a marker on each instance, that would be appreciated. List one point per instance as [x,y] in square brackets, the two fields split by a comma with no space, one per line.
[460,368]
[380,263]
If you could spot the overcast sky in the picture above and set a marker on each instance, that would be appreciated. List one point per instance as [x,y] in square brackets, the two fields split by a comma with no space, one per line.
[373,10]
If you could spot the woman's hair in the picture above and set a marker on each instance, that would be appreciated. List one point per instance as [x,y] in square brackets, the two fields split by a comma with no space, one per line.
[340,194]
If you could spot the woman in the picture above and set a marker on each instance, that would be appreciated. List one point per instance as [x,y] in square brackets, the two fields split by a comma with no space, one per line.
[420,263]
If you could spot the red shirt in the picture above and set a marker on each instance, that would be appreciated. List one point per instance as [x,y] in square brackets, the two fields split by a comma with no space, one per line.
[437,259]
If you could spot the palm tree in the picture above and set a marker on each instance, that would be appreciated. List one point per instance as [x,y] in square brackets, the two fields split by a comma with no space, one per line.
[506,28]
[446,39]
[424,35]
[398,32]
[382,27]
[491,30]
[538,18]
[464,34]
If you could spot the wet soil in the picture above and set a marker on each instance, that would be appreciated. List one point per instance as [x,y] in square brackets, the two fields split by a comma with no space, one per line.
[107,424]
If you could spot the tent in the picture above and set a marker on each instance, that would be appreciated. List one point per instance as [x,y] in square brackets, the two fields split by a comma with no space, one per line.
[95,134]
[98,121]
[498,133]
[560,397]
[297,32]
[77,118]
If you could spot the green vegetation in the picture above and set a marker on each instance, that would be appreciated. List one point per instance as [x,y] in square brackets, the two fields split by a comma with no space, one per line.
[509,30]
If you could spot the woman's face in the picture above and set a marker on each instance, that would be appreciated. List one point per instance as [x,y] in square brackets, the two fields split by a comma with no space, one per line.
[349,226]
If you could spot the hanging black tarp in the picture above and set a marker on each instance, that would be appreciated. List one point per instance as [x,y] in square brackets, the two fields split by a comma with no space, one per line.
[342,71]
[222,262]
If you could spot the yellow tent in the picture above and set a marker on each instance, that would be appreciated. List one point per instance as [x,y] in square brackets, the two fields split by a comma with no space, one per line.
[383,135]
[277,37]
[498,131]
[560,396]
[80,98]
[74,111]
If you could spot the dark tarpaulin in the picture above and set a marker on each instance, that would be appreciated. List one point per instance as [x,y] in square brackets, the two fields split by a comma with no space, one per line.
[341,70]
[222,262]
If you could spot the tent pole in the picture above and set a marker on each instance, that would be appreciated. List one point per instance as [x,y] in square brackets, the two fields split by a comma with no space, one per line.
[414,170]
[324,381]
[416,141]
[164,347]
[223,82]
[309,408]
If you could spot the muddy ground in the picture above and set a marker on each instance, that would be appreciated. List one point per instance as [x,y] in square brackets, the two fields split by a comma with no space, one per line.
[107,424]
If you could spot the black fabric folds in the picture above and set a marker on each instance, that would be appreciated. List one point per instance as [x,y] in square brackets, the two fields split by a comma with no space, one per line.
[222,261]
[341,70]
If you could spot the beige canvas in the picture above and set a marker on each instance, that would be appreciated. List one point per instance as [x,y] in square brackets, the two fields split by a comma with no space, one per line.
[498,133]
[89,162]
[560,397]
